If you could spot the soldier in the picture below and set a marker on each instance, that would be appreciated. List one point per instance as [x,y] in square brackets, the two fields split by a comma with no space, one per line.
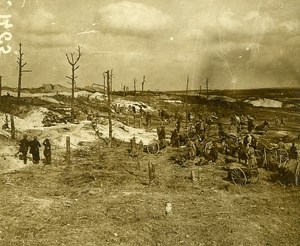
[148,119]
[175,138]
[34,150]
[162,133]
[250,124]
[24,144]
[293,152]
[281,144]
[47,151]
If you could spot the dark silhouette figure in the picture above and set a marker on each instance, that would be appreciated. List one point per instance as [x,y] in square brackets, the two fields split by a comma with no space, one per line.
[47,151]
[34,150]
[293,152]
[24,144]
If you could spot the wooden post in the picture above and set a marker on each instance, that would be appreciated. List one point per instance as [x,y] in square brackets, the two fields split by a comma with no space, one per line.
[127,120]
[199,177]
[151,170]
[108,78]
[68,151]
[134,120]
[193,176]
[140,122]
[12,126]
[133,150]
[297,172]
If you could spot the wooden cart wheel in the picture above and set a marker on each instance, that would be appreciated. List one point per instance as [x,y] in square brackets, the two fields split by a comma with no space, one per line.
[273,156]
[153,147]
[238,176]
[254,176]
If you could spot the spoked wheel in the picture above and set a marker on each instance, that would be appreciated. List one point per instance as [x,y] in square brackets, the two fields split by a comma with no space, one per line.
[153,147]
[238,176]
[272,156]
[254,176]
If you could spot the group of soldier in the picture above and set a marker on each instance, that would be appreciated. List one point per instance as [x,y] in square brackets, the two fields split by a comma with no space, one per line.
[33,147]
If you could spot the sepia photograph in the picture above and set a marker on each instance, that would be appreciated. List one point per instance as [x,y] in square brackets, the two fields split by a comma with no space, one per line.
[149,122]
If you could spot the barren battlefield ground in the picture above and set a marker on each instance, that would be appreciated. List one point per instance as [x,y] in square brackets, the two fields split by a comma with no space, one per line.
[104,197]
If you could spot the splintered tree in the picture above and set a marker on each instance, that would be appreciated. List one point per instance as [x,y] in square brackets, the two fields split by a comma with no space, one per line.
[143,82]
[21,69]
[73,60]
[109,76]
[134,85]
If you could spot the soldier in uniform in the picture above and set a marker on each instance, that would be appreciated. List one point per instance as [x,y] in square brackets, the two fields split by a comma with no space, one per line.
[34,150]
[24,144]
[47,151]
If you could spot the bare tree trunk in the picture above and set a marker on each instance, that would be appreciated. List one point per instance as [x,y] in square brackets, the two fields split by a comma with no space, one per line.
[144,80]
[186,101]
[12,126]
[68,150]
[73,62]
[134,86]
[206,83]
[21,70]
[72,95]
[109,108]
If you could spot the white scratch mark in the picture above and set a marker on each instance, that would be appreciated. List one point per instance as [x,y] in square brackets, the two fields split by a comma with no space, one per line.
[87,32]
[23,4]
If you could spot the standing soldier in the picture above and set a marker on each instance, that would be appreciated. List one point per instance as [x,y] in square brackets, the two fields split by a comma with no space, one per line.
[34,150]
[148,119]
[47,151]
[293,152]
[24,144]
[250,124]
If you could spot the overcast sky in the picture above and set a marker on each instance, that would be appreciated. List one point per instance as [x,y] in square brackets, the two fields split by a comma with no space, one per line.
[236,43]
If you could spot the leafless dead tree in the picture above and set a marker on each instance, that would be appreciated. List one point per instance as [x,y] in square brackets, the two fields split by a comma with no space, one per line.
[73,60]
[21,69]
